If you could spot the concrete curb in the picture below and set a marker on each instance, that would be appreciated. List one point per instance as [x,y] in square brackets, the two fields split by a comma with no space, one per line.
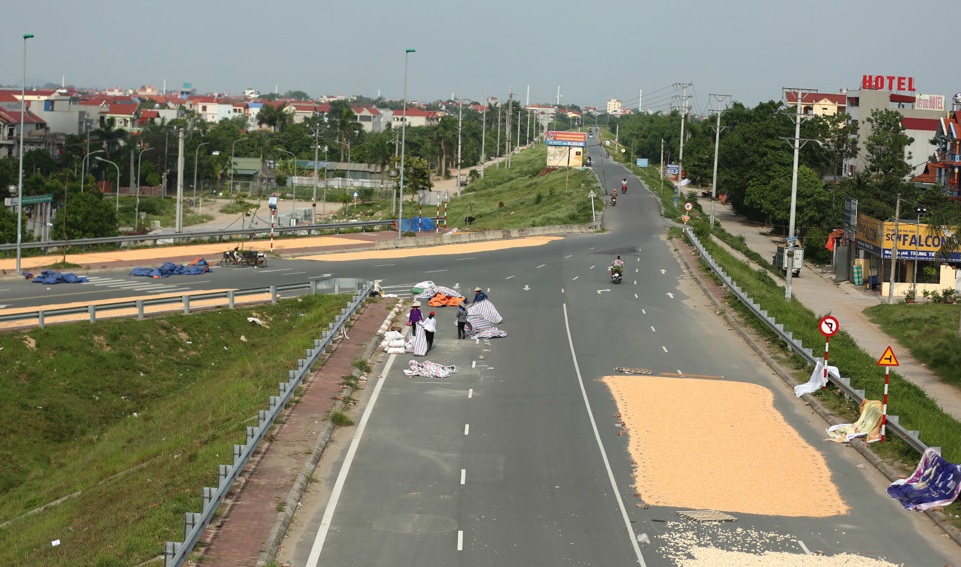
[279,531]
[829,417]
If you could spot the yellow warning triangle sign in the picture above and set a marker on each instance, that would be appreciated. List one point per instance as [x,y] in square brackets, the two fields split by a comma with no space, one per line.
[888,358]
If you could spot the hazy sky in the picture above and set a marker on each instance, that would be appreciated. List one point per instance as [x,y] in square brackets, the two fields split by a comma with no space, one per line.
[746,48]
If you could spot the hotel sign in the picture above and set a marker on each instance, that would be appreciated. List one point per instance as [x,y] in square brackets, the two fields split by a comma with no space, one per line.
[887,83]
[929,102]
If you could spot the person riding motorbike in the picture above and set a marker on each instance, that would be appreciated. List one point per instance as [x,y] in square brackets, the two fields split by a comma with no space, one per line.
[624,185]
[614,200]
[618,262]
[617,269]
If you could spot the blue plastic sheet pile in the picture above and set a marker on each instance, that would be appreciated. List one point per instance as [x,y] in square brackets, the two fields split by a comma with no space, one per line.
[53,277]
[171,269]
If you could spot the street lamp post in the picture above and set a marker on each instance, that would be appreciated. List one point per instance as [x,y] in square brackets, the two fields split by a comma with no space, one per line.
[232,148]
[196,157]
[136,213]
[403,139]
[23,111]
[326,162]
[83,167]
[920,210]
[98,158]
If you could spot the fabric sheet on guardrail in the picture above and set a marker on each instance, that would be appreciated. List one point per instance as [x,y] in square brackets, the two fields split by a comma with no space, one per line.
[868,425]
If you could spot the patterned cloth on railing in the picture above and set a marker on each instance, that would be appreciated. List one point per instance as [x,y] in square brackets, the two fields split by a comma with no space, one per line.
[430,369]
[935,482]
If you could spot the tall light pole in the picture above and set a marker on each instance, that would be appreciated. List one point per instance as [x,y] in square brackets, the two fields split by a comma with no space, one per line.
[23,111]
[83,167]
[293,206]
[920,210]
[136,211]
[196,157]
[403,139]
[717,141]
[483,138]
[460,123]
[98,158]
[326,162]
[232,148]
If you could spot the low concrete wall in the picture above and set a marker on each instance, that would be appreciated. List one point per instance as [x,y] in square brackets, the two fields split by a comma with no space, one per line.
[484,236]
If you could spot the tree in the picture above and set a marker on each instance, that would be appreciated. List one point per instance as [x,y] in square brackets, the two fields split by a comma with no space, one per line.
[838,136]
[773,198]
[273,116]
[111,137]
[885,147]
[416,174]
[345,128]
[296,95]
[443,139]
[86,215]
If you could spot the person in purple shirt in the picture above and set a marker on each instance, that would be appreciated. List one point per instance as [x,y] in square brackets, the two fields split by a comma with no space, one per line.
[415,317]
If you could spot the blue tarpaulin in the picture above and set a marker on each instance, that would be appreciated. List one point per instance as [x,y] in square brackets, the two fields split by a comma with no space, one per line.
[171,269]
[417,224]
[52,277]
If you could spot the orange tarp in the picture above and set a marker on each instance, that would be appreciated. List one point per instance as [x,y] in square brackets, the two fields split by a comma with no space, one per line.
[441,300]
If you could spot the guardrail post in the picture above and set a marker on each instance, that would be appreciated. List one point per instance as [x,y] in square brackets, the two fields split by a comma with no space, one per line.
[336,286]
[40,318]
[230,299]
[140,309]
[273,294]
[209,497]
[186,300]
[313,286]
[92,310]
[170,552]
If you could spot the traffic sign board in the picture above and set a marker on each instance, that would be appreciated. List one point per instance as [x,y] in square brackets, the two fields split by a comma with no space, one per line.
[688,206]
[34,199]
[829,326]
[888,358]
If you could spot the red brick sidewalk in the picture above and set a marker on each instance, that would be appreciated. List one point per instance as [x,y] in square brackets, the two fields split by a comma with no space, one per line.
[256,508]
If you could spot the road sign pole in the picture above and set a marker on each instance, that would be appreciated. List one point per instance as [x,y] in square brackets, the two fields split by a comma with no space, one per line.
[884,403]
[272,211]
[827,343]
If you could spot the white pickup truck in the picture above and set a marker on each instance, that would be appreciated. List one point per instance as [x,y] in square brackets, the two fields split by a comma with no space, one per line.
[781,259]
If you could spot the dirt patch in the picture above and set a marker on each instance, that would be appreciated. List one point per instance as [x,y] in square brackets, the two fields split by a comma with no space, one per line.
[29,342]
[711,443]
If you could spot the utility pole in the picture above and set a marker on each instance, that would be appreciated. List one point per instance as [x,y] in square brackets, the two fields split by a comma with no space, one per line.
[483,156]
[796,143]
[517,141]
[717,139]
[180,180]
[507,126]
[894,251]
[661,189]
[640,101]
[460,124]
[497,164]
[680,157]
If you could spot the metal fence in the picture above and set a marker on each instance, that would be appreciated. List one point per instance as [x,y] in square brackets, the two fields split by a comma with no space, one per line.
[910,437]
[175,552]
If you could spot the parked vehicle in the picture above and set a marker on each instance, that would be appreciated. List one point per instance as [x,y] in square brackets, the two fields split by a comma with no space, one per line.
[237,257]
[781,259]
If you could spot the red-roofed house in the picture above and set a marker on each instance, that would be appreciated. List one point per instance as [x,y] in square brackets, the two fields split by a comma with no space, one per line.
[946,169]
[819,104]
[370,118]
[124,115]
[415,117]
[35,131]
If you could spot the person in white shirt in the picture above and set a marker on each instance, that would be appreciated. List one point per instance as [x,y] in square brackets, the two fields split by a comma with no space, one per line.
[430,327]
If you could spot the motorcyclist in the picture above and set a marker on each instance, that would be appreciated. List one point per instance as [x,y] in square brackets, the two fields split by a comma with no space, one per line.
[624,185]
[236,254]
[614,199]
[618,262]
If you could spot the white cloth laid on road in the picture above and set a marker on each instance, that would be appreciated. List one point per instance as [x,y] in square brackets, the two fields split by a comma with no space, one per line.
[430,369]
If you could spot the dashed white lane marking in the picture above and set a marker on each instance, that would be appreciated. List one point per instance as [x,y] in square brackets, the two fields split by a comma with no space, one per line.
[462,259]
[562,290]
[664,347]
[434,271]
[470,393]
[568,256]
[460,540]
[653,330]
[635,282]
[643,311]
[473,364]
[509,277]
[541,266]
[635,296]
[466,429]
[295,273]
[804,547]
[575,277]
[382,265]
[637,270]
[463,477]
[591,268]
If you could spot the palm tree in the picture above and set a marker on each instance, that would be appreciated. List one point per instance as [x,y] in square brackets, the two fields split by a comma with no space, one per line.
[110,136]
[444,139]
[343,123]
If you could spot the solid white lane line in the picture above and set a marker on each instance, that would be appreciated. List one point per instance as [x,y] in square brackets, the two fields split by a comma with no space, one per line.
[600,445]
[466,429]
[460,540]
[541,266]
[470,393]
[463,477]
[318,545]
[664,347]
[509,277]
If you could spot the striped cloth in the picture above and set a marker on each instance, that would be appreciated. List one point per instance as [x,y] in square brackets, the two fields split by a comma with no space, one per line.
[417,343]
[430,369]
[483,315]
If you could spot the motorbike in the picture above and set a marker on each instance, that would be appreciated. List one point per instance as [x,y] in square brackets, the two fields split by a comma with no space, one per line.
[237,257]
[624,187]
[617,274]
[613,201]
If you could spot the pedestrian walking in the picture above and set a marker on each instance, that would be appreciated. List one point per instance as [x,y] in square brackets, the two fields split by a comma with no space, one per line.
[430,327]
[415,317]
[461,321]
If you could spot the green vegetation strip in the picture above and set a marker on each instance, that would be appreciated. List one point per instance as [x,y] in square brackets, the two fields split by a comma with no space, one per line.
[127,420]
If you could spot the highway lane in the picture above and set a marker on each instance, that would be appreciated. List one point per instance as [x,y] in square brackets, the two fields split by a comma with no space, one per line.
[501,462]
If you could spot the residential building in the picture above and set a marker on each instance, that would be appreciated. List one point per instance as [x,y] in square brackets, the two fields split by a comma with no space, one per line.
[415,117]
[371,119]
[613,106]
[819,104]
[35,132]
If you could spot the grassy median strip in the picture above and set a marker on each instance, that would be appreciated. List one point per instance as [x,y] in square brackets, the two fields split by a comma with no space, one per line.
[112,429]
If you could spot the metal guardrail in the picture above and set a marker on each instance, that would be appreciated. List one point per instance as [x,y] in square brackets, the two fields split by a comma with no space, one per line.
[910,437]
[175,553]
[221,234]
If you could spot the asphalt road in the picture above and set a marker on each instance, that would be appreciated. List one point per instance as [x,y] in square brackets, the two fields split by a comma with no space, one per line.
[516,460]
